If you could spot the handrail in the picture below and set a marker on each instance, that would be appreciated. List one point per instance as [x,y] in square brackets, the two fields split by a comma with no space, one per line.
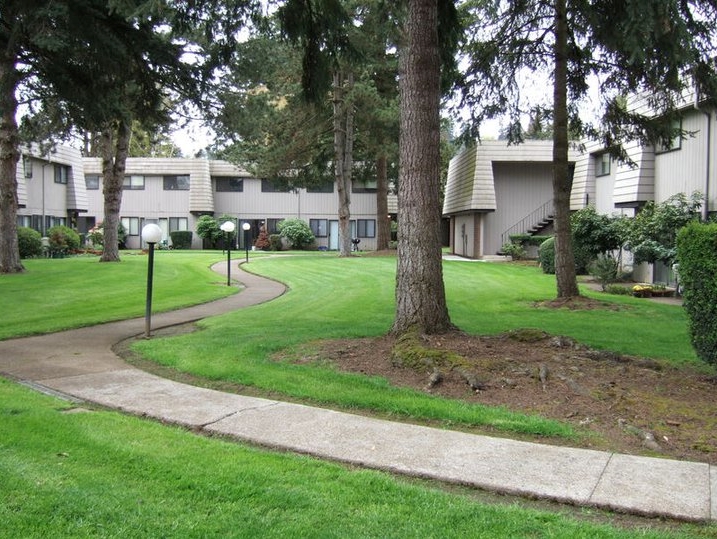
[543,213]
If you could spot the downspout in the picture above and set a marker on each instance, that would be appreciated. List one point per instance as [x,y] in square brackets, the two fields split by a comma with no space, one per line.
[706,209]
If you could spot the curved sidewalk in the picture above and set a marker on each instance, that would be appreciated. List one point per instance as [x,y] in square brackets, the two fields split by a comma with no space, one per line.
[79,364]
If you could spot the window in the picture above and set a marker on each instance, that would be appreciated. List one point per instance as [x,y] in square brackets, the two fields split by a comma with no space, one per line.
[368,186]
[92,182]
[130,225]
[178,223]
[62,173]
[176,183]
[602,164]
[366,228]
[319,227]
[133,183]
[673,144]
[327,187]
[27,166]
[272,225]
[24,220]
[268,187]
[229,185]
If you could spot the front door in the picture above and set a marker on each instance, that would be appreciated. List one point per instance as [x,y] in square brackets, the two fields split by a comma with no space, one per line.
[333,235]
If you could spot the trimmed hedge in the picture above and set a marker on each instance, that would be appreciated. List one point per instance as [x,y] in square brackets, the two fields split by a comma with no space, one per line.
[181,239]
[29,242]
[528,239]
[697,273]
[546,255]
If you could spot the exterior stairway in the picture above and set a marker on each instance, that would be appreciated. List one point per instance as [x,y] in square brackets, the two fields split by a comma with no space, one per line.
[532,224]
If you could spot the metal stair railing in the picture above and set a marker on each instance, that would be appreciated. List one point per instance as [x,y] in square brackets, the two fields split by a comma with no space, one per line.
[537,216]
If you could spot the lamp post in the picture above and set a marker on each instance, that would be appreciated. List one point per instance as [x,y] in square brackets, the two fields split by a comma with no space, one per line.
[246,226]
[228,228]
[151,234]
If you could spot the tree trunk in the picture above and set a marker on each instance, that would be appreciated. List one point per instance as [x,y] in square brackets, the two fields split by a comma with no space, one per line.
[343,156]
[383,222]
[9,157]
[420,293]
[566,278]
[114,160]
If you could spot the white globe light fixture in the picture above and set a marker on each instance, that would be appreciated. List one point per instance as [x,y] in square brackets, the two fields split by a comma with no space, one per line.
[151,234]
[246,226]
[228,227]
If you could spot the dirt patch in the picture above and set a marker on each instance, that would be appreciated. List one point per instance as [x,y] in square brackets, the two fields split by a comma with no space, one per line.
[631,405]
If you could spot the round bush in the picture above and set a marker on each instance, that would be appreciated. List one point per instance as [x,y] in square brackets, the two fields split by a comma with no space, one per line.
[63,240]
[546,255]
[29,241]
[297,232]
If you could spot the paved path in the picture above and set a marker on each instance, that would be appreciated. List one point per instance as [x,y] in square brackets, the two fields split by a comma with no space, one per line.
[79,364]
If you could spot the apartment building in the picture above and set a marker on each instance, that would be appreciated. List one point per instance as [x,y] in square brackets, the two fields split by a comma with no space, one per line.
[495,190]
[61,187]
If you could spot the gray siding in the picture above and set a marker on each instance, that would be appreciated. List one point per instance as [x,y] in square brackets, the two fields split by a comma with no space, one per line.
[520,189]
[684,170]
[39,194]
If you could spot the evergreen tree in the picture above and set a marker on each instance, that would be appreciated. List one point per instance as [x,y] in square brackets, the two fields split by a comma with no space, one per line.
[657,48]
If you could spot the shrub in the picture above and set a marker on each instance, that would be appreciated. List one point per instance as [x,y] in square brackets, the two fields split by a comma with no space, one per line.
[275,242]
[96,235]
[653,231]
[528,239]
[604,269]
[29,242]
[263,241]
[297,232]
[546,255]
[515,250]
[63,240]
[697,258]
[208,229]
[181,239]
[617,289]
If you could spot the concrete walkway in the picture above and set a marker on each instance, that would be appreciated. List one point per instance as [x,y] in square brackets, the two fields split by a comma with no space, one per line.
[80,365]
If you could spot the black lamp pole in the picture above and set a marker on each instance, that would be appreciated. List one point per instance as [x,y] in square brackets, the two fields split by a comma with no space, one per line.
[229,261]
[150,277]
[245,226]
[151,233]
[228,228]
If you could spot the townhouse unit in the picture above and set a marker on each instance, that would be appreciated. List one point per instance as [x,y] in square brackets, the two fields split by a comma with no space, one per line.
[61,187]
[495,190]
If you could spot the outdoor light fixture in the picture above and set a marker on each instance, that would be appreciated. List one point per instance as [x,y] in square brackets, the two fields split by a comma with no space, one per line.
[151,234]
[246,226]
[228,228]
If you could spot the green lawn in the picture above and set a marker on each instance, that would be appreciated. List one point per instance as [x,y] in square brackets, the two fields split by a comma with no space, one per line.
[105,474]
[334,297]
[60,294]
